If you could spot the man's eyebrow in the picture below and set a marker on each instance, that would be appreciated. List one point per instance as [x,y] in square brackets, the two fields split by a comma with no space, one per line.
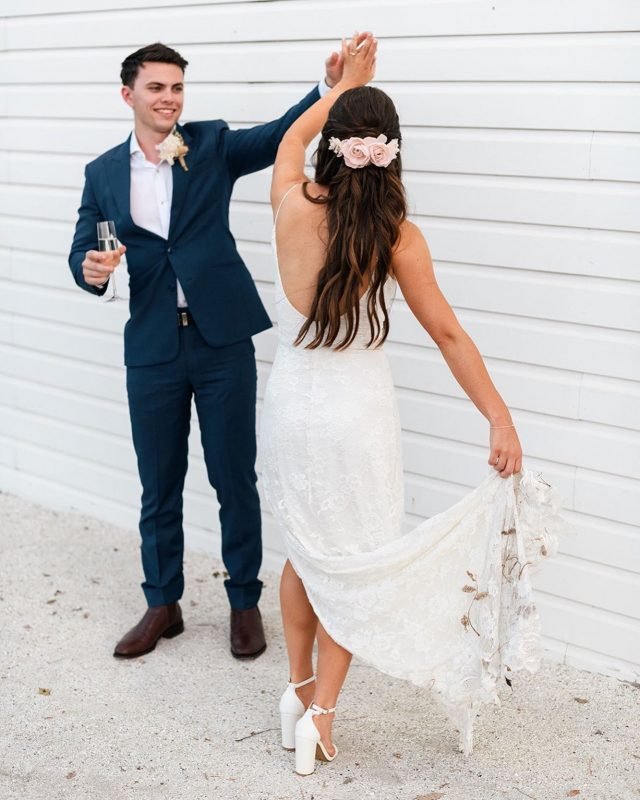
[159,83]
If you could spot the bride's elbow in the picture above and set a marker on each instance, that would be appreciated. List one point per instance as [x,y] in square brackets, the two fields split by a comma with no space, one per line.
[446,336]
[444,342]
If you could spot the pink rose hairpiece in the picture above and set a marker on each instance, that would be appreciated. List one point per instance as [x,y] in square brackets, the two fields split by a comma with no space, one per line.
[358,152]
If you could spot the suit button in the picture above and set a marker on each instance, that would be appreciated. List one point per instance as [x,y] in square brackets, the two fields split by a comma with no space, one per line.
[168,249]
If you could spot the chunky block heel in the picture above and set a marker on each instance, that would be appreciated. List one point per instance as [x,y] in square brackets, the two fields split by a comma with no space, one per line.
[291,709]
[309,746]
[288,727]
[305,755]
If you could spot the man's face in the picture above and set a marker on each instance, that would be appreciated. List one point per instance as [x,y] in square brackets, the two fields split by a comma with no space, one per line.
[157,97]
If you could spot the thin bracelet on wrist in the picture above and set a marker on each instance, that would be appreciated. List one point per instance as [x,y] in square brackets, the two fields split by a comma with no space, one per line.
[497,427]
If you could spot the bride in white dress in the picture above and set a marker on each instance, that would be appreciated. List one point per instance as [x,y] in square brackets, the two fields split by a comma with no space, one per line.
[448,605]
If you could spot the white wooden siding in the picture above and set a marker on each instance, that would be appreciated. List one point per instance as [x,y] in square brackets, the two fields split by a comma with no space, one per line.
[521,147]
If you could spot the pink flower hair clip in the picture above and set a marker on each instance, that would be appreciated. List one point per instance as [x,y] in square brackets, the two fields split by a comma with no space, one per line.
[359,152]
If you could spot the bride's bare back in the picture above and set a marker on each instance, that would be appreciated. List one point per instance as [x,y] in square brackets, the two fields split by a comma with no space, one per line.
[301,242]
[301,237]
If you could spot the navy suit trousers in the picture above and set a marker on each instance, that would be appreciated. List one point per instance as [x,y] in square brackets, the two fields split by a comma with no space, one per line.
[223,382]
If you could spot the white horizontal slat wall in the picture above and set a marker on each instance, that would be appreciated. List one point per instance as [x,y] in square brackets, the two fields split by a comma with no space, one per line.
[522,153]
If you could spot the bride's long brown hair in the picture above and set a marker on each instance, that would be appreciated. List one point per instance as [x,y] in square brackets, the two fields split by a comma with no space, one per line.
[365,208]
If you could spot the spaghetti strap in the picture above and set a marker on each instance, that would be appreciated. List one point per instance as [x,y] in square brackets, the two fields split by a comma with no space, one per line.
[284,197]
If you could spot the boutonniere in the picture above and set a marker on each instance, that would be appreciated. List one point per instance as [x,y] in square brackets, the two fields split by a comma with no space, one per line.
[173,147]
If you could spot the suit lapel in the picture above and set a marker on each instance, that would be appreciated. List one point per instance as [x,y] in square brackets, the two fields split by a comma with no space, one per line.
[119,176]
[181,180]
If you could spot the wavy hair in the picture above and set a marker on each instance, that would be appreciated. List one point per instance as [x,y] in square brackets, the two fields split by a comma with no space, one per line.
[365,208]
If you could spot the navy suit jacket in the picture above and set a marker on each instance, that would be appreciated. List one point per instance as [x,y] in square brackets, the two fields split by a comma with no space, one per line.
[200,249]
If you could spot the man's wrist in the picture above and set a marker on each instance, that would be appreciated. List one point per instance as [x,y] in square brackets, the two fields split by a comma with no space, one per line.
[323,86]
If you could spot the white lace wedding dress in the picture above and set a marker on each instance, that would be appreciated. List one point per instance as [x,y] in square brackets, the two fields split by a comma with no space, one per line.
[449,605]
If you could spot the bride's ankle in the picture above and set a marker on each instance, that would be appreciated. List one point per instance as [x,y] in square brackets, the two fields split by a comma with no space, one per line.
[303,677]
[304,693]
[324,710]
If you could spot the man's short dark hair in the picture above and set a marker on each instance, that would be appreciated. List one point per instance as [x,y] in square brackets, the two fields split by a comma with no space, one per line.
[156,52]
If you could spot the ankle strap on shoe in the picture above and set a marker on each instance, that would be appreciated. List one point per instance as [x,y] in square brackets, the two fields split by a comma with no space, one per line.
[302,683]
[319,710]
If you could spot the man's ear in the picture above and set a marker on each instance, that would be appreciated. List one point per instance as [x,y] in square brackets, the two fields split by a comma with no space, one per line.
[126,91]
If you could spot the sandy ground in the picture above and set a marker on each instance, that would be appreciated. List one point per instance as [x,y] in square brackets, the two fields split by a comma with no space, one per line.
[189,722]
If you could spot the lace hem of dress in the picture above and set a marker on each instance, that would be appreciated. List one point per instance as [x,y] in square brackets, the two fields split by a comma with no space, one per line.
[448,606]
[502,622]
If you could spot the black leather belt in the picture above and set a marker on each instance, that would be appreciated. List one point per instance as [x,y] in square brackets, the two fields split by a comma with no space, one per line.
[184,318]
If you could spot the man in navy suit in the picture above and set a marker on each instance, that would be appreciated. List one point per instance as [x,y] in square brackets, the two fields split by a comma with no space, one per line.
[193,309]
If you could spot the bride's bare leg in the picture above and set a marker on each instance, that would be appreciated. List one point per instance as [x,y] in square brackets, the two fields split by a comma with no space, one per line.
[299,622]
[333,665]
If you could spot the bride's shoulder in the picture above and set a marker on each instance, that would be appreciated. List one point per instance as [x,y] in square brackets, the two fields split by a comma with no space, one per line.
[410,232]
[411,252]
[297,196]
[410,238]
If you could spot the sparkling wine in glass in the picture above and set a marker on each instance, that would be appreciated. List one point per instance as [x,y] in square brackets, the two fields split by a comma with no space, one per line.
[108,242]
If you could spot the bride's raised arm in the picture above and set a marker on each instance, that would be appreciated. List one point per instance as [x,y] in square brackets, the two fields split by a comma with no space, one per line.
[359,58]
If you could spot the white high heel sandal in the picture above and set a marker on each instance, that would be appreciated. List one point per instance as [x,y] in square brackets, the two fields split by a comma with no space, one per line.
[291,709]
[309,743]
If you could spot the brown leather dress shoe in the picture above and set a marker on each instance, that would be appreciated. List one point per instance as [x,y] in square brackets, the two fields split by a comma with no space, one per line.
[247,633]
[158,622]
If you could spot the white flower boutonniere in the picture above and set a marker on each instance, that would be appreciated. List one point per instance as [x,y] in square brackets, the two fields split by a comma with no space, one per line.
[173,147]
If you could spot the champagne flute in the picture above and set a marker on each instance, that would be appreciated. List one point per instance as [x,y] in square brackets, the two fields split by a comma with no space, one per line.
[108,242]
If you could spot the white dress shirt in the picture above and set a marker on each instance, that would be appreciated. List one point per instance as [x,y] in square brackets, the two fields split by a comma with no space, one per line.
[152,192]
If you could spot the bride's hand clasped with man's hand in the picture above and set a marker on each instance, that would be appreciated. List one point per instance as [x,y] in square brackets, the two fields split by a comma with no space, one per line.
[358,51]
